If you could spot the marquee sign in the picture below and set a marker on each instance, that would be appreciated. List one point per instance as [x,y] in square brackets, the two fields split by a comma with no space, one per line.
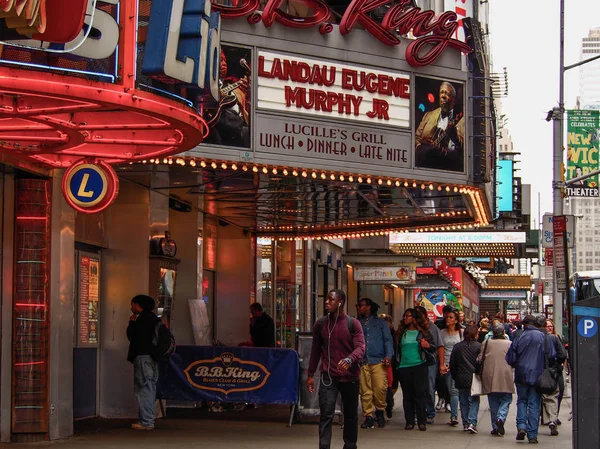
[433,34]
[328,89]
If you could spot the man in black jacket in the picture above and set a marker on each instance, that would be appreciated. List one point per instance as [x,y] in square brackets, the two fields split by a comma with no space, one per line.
[262,327]
[140,333]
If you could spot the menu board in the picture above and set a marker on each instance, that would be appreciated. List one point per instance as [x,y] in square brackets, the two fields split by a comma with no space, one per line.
[89,282]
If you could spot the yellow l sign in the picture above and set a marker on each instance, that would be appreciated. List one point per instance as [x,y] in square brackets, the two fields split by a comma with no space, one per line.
[82,192]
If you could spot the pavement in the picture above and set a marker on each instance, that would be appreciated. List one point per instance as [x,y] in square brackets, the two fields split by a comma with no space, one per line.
[266,427]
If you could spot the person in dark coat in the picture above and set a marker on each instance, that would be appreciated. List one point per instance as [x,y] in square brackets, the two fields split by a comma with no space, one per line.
[262,327]
[462,367]
[141,334]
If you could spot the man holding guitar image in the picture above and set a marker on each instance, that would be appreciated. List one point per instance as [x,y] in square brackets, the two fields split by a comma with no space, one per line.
[441,134]
[229,122]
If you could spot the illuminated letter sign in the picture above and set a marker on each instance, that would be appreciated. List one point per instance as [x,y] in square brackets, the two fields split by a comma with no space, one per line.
[184,44]
[90,188]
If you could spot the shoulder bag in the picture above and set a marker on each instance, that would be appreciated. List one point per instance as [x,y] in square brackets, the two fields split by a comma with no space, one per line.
[479,363]
[547,383]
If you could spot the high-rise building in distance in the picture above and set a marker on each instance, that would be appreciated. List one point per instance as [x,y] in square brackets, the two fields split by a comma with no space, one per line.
[589,74]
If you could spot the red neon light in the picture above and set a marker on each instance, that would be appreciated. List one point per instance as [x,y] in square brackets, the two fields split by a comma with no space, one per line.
[29,363]
[27,304]
[434,34]
[32,218]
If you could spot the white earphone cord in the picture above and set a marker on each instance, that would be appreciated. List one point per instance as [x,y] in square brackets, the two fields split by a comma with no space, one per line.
[329,332]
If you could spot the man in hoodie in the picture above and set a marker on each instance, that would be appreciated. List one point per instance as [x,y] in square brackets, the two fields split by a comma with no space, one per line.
[339,343]
[373,367]
[526,356]
[141,334]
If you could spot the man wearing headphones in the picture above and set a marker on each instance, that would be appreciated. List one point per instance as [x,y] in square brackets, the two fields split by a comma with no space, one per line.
[373,366]
[339,343]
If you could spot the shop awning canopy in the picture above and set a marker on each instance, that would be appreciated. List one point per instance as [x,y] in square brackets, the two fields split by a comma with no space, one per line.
[283,202]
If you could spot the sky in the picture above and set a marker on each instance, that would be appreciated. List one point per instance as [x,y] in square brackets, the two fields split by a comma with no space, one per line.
[525,37]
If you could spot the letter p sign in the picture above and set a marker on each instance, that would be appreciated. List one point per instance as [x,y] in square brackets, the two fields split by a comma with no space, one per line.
[587,327]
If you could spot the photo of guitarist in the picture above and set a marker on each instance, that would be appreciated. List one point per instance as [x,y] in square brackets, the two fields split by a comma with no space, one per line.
[440,136]
[229,121]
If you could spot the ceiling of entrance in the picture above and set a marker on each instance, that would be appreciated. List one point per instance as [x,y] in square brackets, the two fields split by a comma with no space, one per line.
[288,204]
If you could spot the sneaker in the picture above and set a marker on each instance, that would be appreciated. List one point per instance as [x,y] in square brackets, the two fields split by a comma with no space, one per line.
[453,422]
[448,408]
[494,432]
[533,441]
[422,427]
[139,426]
[553,429]
[368,424]
[441,404]
[380,418]
[430,419]
[465,428]
[500,426]
[409,427]
[472,429]
[521,433]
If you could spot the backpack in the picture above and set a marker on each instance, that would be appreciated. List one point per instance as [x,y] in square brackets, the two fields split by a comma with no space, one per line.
[163,342]
[349,320]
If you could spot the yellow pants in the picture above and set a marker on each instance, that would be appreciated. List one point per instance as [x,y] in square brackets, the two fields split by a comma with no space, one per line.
[373,388]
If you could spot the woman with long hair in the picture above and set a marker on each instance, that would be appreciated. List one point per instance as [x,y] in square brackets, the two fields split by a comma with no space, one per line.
[462,367]
[415,352]
[497,379]
[451,335]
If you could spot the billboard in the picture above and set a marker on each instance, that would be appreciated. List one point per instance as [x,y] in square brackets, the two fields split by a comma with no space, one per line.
[229,119]
[582,152]
[504,192]
[439,124]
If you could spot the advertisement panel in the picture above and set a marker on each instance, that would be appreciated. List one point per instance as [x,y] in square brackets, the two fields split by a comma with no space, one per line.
[81,42]
[397,275]
[504,193]
[435,300]
[582,152]
[229,119]
[440,124]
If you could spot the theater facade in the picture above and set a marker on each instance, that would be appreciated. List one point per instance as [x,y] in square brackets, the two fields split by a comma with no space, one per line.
[213,155]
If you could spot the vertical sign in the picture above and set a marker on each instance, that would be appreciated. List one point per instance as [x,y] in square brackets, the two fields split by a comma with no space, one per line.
[582,152]
[559,253]
[89,269]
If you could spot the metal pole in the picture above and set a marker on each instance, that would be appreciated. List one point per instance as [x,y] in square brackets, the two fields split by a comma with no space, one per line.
[558,185]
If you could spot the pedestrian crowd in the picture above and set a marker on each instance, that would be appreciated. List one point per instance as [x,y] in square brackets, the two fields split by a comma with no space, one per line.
[460,361]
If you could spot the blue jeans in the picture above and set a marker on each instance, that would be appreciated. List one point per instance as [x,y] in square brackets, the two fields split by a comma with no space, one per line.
[453,396]
[328,393]
[469,406]
[145,377]
[499,404]
[432,372]
[529,402]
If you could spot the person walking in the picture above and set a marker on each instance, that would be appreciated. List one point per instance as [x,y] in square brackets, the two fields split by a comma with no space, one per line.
[141,335]
[392,378]
[462,366]
[415,351]
[551,402]
[432,370]
[339,343]
[497,378]
[526,356]
[373,366]
[451,335]
[484,328]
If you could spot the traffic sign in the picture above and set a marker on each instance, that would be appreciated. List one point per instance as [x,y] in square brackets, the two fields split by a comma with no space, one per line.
[90,187]
[587,327]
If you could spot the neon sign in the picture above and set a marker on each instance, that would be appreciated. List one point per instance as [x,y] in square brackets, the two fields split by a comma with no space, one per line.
[433,34]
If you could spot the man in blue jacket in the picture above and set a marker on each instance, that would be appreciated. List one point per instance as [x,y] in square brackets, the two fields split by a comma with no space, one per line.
[526,356]
[373,370]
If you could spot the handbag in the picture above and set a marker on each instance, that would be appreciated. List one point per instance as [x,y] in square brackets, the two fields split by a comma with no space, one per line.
[479,363]
[547,383]
[429,356]
[476,386]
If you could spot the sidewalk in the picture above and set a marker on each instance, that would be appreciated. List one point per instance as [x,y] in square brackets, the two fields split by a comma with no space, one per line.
[266,428]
